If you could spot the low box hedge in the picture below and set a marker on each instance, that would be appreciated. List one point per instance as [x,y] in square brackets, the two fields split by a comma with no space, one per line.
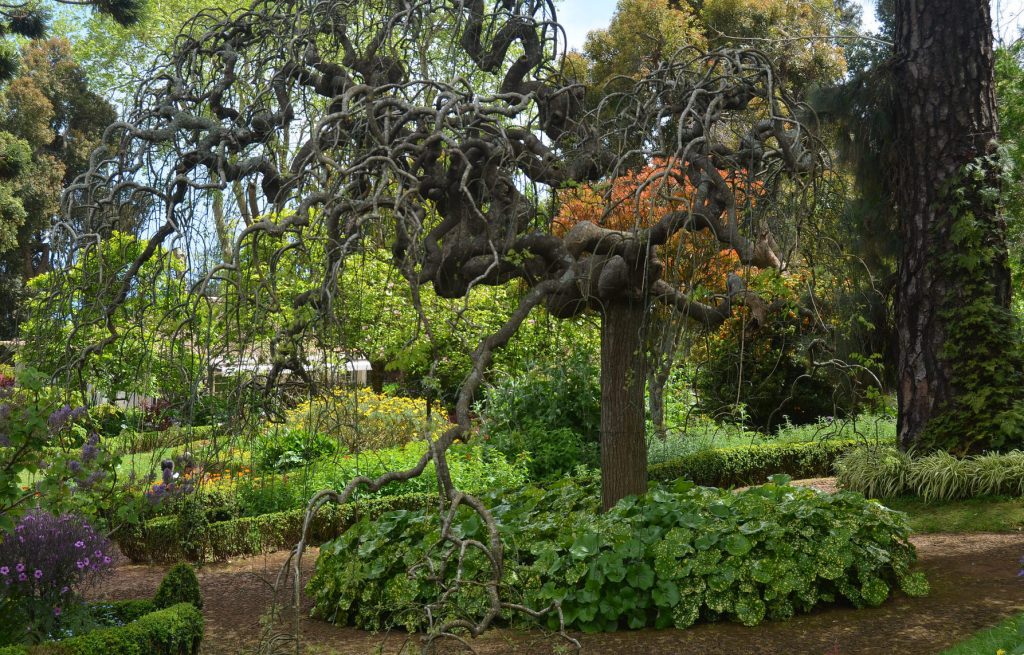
[131,442]
[163,539]
[177,630]
[749,465]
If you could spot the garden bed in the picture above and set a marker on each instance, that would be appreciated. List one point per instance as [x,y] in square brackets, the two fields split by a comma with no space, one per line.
[973,577]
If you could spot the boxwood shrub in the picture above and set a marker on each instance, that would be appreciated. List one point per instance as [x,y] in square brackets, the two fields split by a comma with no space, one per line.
[748,465]
[176,630]
[678,555]
[163,539]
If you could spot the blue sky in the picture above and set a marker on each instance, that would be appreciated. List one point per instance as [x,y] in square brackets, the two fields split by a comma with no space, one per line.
[580,16]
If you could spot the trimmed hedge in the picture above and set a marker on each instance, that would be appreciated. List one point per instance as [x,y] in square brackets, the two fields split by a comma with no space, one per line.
[180,585]
[176,630]
[161,539]
[749,465]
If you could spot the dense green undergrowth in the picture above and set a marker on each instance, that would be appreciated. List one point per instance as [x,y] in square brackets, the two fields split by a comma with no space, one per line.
[678,555]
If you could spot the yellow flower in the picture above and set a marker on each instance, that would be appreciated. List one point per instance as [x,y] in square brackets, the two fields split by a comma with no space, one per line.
[1000,652]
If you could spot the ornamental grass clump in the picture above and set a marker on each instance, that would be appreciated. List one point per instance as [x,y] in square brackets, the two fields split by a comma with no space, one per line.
[885,472]
[44,565]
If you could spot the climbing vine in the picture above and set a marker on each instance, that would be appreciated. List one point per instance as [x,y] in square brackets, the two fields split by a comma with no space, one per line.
[987,409]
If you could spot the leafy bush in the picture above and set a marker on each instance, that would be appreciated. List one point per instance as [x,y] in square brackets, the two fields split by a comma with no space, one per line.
[677,555]
[109,419]
[768,375]
[44,563]
[551,412]
[747,465]
[285,449]
[472,467]
[885,472]
[364,420]
[180,585]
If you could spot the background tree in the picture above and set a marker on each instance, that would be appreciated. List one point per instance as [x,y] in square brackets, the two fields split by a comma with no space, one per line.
[959,367]
[49,123]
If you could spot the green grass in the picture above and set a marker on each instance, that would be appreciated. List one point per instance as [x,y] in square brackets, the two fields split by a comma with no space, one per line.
[1007,638]
[983,514]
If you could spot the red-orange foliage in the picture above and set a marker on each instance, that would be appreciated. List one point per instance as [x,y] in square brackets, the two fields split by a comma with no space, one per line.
[638,200]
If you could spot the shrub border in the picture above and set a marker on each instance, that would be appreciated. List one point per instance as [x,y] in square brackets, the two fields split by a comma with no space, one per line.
[159,541]
[740,466]
[177,630]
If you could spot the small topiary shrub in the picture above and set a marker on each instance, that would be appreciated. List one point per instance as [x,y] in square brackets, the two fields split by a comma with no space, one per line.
[678,555]
[180,585]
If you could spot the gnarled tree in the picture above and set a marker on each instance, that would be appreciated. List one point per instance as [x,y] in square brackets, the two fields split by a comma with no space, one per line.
[445,126]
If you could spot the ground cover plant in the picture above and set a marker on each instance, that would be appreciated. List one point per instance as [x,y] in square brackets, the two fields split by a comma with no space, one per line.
[679,554]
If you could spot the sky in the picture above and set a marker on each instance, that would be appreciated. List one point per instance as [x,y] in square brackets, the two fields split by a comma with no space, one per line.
[580,16]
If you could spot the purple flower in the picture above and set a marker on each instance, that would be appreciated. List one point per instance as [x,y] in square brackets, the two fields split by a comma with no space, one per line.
[106,559]
[80,565]
[59,418]
[22,577]
[38,574]
[19,567]
[74,466]
[79,544]
[4,570]
[56,611]
[89,452]
[98,553]
[5,411]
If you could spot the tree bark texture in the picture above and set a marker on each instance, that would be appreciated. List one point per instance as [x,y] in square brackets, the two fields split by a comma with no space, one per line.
[945,119]
[623,378]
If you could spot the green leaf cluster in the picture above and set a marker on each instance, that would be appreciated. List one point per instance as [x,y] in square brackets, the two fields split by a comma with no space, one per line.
[678,555]
[982,340]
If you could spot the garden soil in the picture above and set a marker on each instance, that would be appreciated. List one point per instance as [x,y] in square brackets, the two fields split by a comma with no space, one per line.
[973,578]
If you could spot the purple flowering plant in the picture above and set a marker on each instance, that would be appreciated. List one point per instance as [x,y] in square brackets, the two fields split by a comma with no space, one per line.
[44,565]
[79,476]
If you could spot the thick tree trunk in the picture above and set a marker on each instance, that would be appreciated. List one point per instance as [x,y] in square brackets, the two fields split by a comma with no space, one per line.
[623,377]
[945,119]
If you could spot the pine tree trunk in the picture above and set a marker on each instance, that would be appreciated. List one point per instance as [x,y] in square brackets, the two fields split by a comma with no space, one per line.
[623,377]
[945,119]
